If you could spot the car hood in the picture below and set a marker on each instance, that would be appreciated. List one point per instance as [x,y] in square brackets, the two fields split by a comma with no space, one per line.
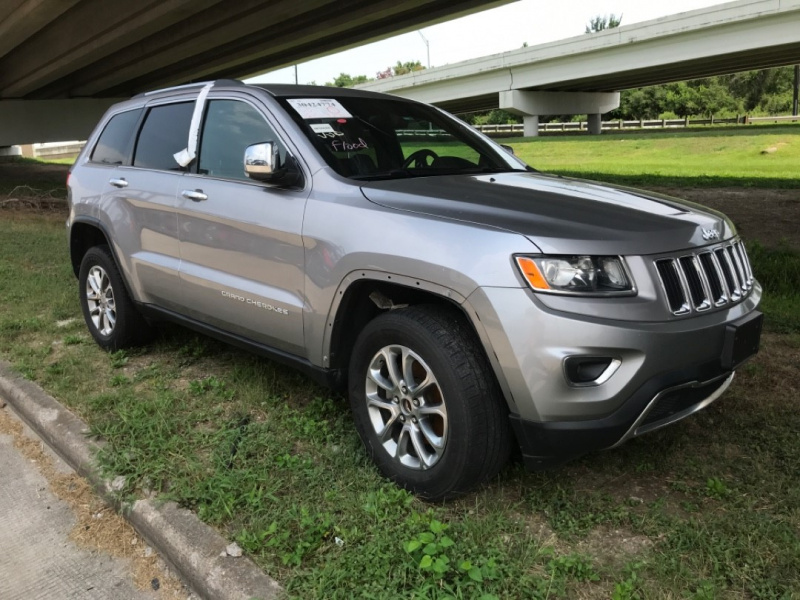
[559,215]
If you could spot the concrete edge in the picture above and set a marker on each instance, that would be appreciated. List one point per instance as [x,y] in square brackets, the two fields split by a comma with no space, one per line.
[190,546]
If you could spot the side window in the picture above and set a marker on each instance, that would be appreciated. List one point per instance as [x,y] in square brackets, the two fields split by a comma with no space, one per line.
[231,126]
[165,132]
[114,144]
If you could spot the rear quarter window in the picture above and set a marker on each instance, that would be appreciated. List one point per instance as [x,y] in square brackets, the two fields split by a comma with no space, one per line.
[114,144]
[165,132]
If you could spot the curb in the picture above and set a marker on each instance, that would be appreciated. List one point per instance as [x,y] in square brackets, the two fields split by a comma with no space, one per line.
[189,546]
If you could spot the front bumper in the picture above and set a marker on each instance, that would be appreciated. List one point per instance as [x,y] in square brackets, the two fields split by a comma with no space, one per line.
[549,444]
[667,371]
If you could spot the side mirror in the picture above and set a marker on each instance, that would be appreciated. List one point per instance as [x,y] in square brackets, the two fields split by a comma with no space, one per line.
[507,148]
[261,161]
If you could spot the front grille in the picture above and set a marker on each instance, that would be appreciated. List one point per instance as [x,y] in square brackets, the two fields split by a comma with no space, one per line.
[706,279]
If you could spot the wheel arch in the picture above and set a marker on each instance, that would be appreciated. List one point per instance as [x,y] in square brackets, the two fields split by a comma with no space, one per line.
[354,306]
[85,233]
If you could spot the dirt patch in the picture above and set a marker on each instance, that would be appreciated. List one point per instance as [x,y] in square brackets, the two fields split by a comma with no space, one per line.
[613,547]
[770,216]
[97,526]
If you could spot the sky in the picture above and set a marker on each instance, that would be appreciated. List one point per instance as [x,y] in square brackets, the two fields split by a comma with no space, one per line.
[491,31]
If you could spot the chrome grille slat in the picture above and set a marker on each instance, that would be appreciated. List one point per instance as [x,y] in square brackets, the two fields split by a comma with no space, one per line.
[712,277]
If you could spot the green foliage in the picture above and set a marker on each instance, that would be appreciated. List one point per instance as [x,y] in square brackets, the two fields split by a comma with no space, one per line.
[347,80]
[496,116]
[401,68]
[73,339]
[118,359]
[601,22]
[765,91]
[716,488]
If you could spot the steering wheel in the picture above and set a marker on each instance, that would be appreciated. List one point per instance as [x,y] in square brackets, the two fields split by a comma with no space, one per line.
[419,158]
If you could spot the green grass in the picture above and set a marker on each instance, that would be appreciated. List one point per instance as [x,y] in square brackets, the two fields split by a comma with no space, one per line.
[709,508]
[45,178]
[692,158]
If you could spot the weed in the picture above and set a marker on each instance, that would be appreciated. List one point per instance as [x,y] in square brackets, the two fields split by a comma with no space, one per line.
[716,488]
[73,339]
[118,359]
[575,566]
[119,380]
[212,385]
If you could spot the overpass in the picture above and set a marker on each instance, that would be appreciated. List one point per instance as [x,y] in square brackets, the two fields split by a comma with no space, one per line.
[63,62]
[583,74]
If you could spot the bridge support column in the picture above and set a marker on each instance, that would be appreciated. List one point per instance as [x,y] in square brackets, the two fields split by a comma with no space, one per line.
[530,125]
[595,123]
[9,152]
[532,105]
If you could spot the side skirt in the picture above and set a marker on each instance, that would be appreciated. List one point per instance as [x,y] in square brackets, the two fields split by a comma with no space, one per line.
[331,378]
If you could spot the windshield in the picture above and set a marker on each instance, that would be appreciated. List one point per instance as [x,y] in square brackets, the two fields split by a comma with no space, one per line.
[382,138]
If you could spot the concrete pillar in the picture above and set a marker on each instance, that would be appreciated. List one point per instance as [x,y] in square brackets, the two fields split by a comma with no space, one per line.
[532,104]
[530,125]
[595,123]
[9,152]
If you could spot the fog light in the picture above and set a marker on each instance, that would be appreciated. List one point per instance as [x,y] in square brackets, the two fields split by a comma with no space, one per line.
[590,370]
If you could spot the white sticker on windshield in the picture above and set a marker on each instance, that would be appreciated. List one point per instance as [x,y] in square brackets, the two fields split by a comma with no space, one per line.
[319,108]
[322,128]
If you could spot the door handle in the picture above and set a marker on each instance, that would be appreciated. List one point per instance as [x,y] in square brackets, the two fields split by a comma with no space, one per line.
[120,183]
[195,196]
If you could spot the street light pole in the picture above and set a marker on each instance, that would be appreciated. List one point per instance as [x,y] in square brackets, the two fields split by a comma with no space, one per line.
[796,89]
[427,45]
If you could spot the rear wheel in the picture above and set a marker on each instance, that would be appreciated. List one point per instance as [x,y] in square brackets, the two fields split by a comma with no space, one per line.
[426,404]
[109,312]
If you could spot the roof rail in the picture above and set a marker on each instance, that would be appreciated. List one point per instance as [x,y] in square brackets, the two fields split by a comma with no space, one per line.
[191,85]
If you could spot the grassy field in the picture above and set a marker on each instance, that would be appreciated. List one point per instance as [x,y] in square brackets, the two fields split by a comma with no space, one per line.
[709,508]
[767,156]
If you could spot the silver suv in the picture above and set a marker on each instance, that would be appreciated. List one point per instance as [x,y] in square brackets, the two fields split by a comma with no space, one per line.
[466,302]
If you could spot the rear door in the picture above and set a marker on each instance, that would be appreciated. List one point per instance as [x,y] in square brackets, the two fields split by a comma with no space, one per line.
[241,244]
[141,205]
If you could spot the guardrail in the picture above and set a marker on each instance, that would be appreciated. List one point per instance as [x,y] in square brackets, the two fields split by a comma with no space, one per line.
[57,149]
[636,124]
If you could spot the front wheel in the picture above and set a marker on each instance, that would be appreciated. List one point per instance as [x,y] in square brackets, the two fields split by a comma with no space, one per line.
[109,312]
[426,404]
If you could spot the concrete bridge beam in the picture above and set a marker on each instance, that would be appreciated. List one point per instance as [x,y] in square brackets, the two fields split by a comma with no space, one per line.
[35,121]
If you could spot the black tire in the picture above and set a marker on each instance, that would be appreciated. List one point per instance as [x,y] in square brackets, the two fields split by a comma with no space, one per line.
[475,431]
[112,318]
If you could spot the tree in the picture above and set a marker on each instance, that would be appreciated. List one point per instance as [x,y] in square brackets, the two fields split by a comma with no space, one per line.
[346,80]
[407,67]
[401,68]
[601,22]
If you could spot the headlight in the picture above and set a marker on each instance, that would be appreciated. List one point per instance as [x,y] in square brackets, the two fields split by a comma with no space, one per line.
[580,275]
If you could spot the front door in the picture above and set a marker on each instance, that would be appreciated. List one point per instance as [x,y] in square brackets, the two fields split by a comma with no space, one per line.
[241,243]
